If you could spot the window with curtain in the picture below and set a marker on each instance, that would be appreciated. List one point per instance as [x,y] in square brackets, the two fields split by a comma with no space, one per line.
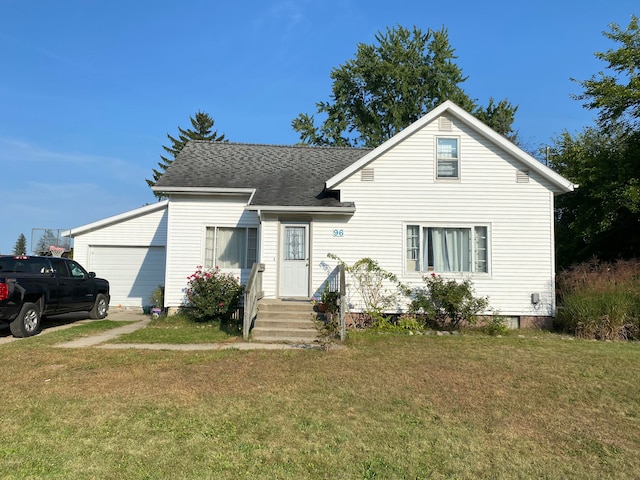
[447,249]
[231,247]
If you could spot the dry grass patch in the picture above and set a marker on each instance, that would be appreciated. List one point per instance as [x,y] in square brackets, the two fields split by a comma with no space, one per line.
[386,407]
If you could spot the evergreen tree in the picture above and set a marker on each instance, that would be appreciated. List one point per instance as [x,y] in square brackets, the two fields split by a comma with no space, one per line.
[388,86]
[202,125]
[20,248]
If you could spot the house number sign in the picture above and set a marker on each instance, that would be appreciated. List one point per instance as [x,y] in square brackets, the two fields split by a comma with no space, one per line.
[338,232]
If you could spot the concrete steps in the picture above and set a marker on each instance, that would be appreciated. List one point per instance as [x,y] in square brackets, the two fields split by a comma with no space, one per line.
[285,321]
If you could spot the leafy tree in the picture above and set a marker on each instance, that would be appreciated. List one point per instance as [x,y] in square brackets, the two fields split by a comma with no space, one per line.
[391,84]
[617,95]
[602,217]
[20,248]
[202,124]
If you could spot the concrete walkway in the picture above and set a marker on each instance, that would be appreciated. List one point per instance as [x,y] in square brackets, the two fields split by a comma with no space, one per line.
[140,321]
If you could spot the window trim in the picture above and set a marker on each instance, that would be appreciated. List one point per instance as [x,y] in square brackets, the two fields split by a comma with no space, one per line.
[438,177]
[214,247]
[472,227]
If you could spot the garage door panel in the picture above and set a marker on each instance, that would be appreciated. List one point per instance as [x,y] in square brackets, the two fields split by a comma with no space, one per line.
[133,272]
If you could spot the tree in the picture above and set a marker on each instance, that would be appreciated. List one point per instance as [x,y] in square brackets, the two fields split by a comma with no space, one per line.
[602,217]
[202,125]
[20,248]
[617,95]
[388,86]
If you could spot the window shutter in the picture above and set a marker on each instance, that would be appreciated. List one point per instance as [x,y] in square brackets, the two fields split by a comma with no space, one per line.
[367,175]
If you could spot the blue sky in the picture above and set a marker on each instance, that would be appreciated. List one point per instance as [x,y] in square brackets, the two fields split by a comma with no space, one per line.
[90,89]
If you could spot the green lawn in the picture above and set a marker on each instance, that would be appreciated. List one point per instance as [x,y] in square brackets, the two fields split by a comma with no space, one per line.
[388,406]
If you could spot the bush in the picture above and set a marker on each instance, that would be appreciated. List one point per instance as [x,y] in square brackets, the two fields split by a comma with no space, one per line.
[600,300]
[212,295]
[446,304]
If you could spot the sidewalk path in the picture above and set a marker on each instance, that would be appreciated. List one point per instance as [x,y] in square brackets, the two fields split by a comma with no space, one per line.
[140,321]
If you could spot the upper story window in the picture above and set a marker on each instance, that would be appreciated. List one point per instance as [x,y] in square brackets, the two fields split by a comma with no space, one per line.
[448,157]
[229,247]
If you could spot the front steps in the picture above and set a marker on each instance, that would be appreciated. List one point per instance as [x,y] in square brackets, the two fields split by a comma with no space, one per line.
[290,321]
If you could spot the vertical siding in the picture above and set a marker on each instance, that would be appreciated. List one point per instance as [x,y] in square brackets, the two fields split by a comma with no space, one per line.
[188,218]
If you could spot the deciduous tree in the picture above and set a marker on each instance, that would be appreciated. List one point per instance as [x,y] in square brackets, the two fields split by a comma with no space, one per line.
[391,84]
[602,218]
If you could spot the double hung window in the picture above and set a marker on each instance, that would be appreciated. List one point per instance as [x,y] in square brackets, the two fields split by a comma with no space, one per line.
[448,158]
[447,249]
[231,247]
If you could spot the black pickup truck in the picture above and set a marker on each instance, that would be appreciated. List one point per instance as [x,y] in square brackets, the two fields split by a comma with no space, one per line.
[33,287]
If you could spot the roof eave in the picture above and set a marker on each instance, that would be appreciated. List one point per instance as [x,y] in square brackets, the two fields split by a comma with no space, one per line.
[72,232]
[345,210]
[203,190]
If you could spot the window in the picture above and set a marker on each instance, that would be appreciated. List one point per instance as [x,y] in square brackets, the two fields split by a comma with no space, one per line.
[447,157]
[447,249]
[228,247]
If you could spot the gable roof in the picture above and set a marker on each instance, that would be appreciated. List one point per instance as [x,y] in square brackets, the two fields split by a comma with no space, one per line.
[562,184]
[138,212]
[272,174]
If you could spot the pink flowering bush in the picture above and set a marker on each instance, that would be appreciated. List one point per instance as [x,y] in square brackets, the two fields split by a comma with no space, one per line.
[212,295]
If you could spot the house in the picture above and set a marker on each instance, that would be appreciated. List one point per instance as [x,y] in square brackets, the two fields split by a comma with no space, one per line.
[447,195]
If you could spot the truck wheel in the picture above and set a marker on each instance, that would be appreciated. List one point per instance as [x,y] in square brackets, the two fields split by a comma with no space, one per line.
[100,308]
[27,323]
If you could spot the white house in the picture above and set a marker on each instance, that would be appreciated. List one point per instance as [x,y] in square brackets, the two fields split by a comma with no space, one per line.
[447,195]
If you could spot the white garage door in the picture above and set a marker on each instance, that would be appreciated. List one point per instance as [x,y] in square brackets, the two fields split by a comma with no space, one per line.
[133,272]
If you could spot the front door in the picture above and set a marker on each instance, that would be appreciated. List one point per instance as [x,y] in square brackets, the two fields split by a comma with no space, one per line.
[294,260]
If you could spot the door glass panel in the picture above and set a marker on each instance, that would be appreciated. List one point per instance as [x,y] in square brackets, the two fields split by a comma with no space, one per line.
[294,243]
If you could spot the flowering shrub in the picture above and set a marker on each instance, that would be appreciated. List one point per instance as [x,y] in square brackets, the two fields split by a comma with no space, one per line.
[212,295]
[447,303]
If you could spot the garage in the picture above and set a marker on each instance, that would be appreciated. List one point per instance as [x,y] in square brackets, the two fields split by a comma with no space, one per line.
[133,272]
[129,250]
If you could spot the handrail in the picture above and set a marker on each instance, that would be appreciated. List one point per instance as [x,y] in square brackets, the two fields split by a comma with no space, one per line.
[252,293]
[342,288]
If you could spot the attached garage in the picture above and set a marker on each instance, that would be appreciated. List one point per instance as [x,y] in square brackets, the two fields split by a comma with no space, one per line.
[133,271]
[129,250]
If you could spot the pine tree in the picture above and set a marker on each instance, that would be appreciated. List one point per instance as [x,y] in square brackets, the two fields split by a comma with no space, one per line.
[20,247]
[202,124]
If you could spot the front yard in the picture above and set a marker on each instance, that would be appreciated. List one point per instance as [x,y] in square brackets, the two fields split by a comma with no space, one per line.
[532,406]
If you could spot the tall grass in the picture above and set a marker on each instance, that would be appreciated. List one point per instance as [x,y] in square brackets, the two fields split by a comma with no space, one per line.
[600,300]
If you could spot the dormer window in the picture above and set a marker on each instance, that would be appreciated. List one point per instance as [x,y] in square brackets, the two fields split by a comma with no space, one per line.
[448,158]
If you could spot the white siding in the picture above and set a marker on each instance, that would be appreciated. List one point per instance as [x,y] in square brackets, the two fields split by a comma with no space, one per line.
[405,190]
[189,216]
[128,252]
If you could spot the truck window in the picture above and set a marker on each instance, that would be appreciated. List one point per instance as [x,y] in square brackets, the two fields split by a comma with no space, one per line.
[60,267]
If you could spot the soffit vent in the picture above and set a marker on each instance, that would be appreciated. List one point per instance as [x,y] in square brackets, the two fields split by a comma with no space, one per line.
[522,176]
[444,124]
[367,175]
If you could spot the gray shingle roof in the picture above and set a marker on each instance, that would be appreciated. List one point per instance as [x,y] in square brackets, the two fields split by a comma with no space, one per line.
[281,175]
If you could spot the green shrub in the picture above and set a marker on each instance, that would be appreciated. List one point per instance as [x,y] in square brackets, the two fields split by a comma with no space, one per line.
[497,325]
[379,290]
[600,300]
[447,303]
[212,295]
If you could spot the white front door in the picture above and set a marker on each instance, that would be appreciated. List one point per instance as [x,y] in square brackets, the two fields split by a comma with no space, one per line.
[294,260]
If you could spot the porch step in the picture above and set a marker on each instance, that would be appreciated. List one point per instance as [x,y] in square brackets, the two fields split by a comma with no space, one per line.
[285,321]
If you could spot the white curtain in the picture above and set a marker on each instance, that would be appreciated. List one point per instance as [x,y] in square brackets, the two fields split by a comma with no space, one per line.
[451,249]
[231,245]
